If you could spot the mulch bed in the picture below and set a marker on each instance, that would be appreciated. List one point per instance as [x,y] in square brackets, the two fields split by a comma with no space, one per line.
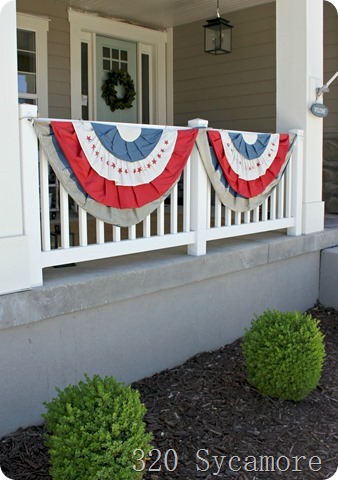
[205,408]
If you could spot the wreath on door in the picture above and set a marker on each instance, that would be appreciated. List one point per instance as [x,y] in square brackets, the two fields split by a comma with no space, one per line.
[109,93]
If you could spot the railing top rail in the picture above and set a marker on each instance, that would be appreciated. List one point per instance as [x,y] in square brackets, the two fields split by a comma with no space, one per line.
[139,125]
[296,131]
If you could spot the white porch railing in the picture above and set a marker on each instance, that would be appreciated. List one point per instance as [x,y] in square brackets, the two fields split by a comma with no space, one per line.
[192,216]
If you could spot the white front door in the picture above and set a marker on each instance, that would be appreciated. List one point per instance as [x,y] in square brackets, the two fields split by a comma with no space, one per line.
[112,54]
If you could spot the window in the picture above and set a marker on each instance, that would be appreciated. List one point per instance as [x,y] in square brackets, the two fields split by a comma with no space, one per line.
[26,44]
[32,61]
[114,59]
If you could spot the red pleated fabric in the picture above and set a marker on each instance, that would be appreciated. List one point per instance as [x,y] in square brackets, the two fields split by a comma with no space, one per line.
[249,188]
[106,191]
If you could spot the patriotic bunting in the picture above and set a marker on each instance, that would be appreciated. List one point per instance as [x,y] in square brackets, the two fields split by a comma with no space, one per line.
[244,167]
[119,174]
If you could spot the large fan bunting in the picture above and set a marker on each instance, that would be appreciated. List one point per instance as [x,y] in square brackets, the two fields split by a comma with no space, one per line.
[123,172]
[125,162]
[244,167]
[249,171]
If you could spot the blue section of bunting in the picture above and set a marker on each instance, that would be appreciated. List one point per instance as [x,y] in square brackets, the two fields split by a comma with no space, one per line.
[130,151]
[247,150]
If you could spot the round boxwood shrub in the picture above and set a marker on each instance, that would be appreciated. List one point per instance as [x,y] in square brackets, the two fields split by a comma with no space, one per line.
[284,354]
[93,429]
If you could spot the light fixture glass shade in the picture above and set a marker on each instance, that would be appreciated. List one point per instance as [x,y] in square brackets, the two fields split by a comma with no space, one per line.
[218,36]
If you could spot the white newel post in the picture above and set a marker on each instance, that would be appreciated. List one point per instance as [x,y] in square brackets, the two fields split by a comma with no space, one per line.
[299,73]
[30,191]
[199,188]
[14,250]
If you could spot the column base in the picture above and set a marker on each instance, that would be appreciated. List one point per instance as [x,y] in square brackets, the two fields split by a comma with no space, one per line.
[313,217]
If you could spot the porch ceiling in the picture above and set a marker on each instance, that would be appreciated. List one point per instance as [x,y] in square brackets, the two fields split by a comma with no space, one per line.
[160,14]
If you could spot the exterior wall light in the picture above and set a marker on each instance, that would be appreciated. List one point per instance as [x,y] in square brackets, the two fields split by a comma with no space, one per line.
[218,35]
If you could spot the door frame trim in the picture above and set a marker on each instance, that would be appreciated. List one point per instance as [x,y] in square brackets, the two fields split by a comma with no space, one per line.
[84,27]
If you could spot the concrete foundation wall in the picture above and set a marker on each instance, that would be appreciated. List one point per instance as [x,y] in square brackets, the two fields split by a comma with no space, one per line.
[133,317]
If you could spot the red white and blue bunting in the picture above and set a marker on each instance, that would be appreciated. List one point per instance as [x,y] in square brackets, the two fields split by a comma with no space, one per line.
[121,173]
[244,167]
[117,173]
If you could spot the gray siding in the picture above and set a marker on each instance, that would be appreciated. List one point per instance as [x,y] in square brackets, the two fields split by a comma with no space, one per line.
[58,53]
[238,91]
[235,91]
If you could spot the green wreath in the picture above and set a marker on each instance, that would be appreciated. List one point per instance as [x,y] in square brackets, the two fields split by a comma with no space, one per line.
[109,93]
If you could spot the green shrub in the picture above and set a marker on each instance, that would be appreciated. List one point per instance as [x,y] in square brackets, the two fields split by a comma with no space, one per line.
[284,354]
[93,429]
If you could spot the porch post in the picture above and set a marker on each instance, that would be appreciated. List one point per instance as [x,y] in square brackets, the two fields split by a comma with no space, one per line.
[14,262]
[299,73]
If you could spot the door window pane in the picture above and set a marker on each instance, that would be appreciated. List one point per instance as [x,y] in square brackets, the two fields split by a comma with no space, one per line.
[106,64]
[106,52]
[114,54]
[115,66]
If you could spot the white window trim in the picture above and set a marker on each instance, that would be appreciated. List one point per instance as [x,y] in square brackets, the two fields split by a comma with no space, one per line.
[39,25]
[159,42]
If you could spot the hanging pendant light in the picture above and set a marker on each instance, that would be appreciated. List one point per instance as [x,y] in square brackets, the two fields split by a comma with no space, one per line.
[217,35]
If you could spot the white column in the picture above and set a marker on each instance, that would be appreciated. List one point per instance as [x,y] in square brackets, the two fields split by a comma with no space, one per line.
[14,261]
[299,73]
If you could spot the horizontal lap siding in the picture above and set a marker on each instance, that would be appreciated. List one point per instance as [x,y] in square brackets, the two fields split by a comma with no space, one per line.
[235,91]
[238,91]
[58,53]
[331,66]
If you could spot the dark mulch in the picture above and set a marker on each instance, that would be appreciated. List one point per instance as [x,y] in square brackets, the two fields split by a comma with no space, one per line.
[206,403]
